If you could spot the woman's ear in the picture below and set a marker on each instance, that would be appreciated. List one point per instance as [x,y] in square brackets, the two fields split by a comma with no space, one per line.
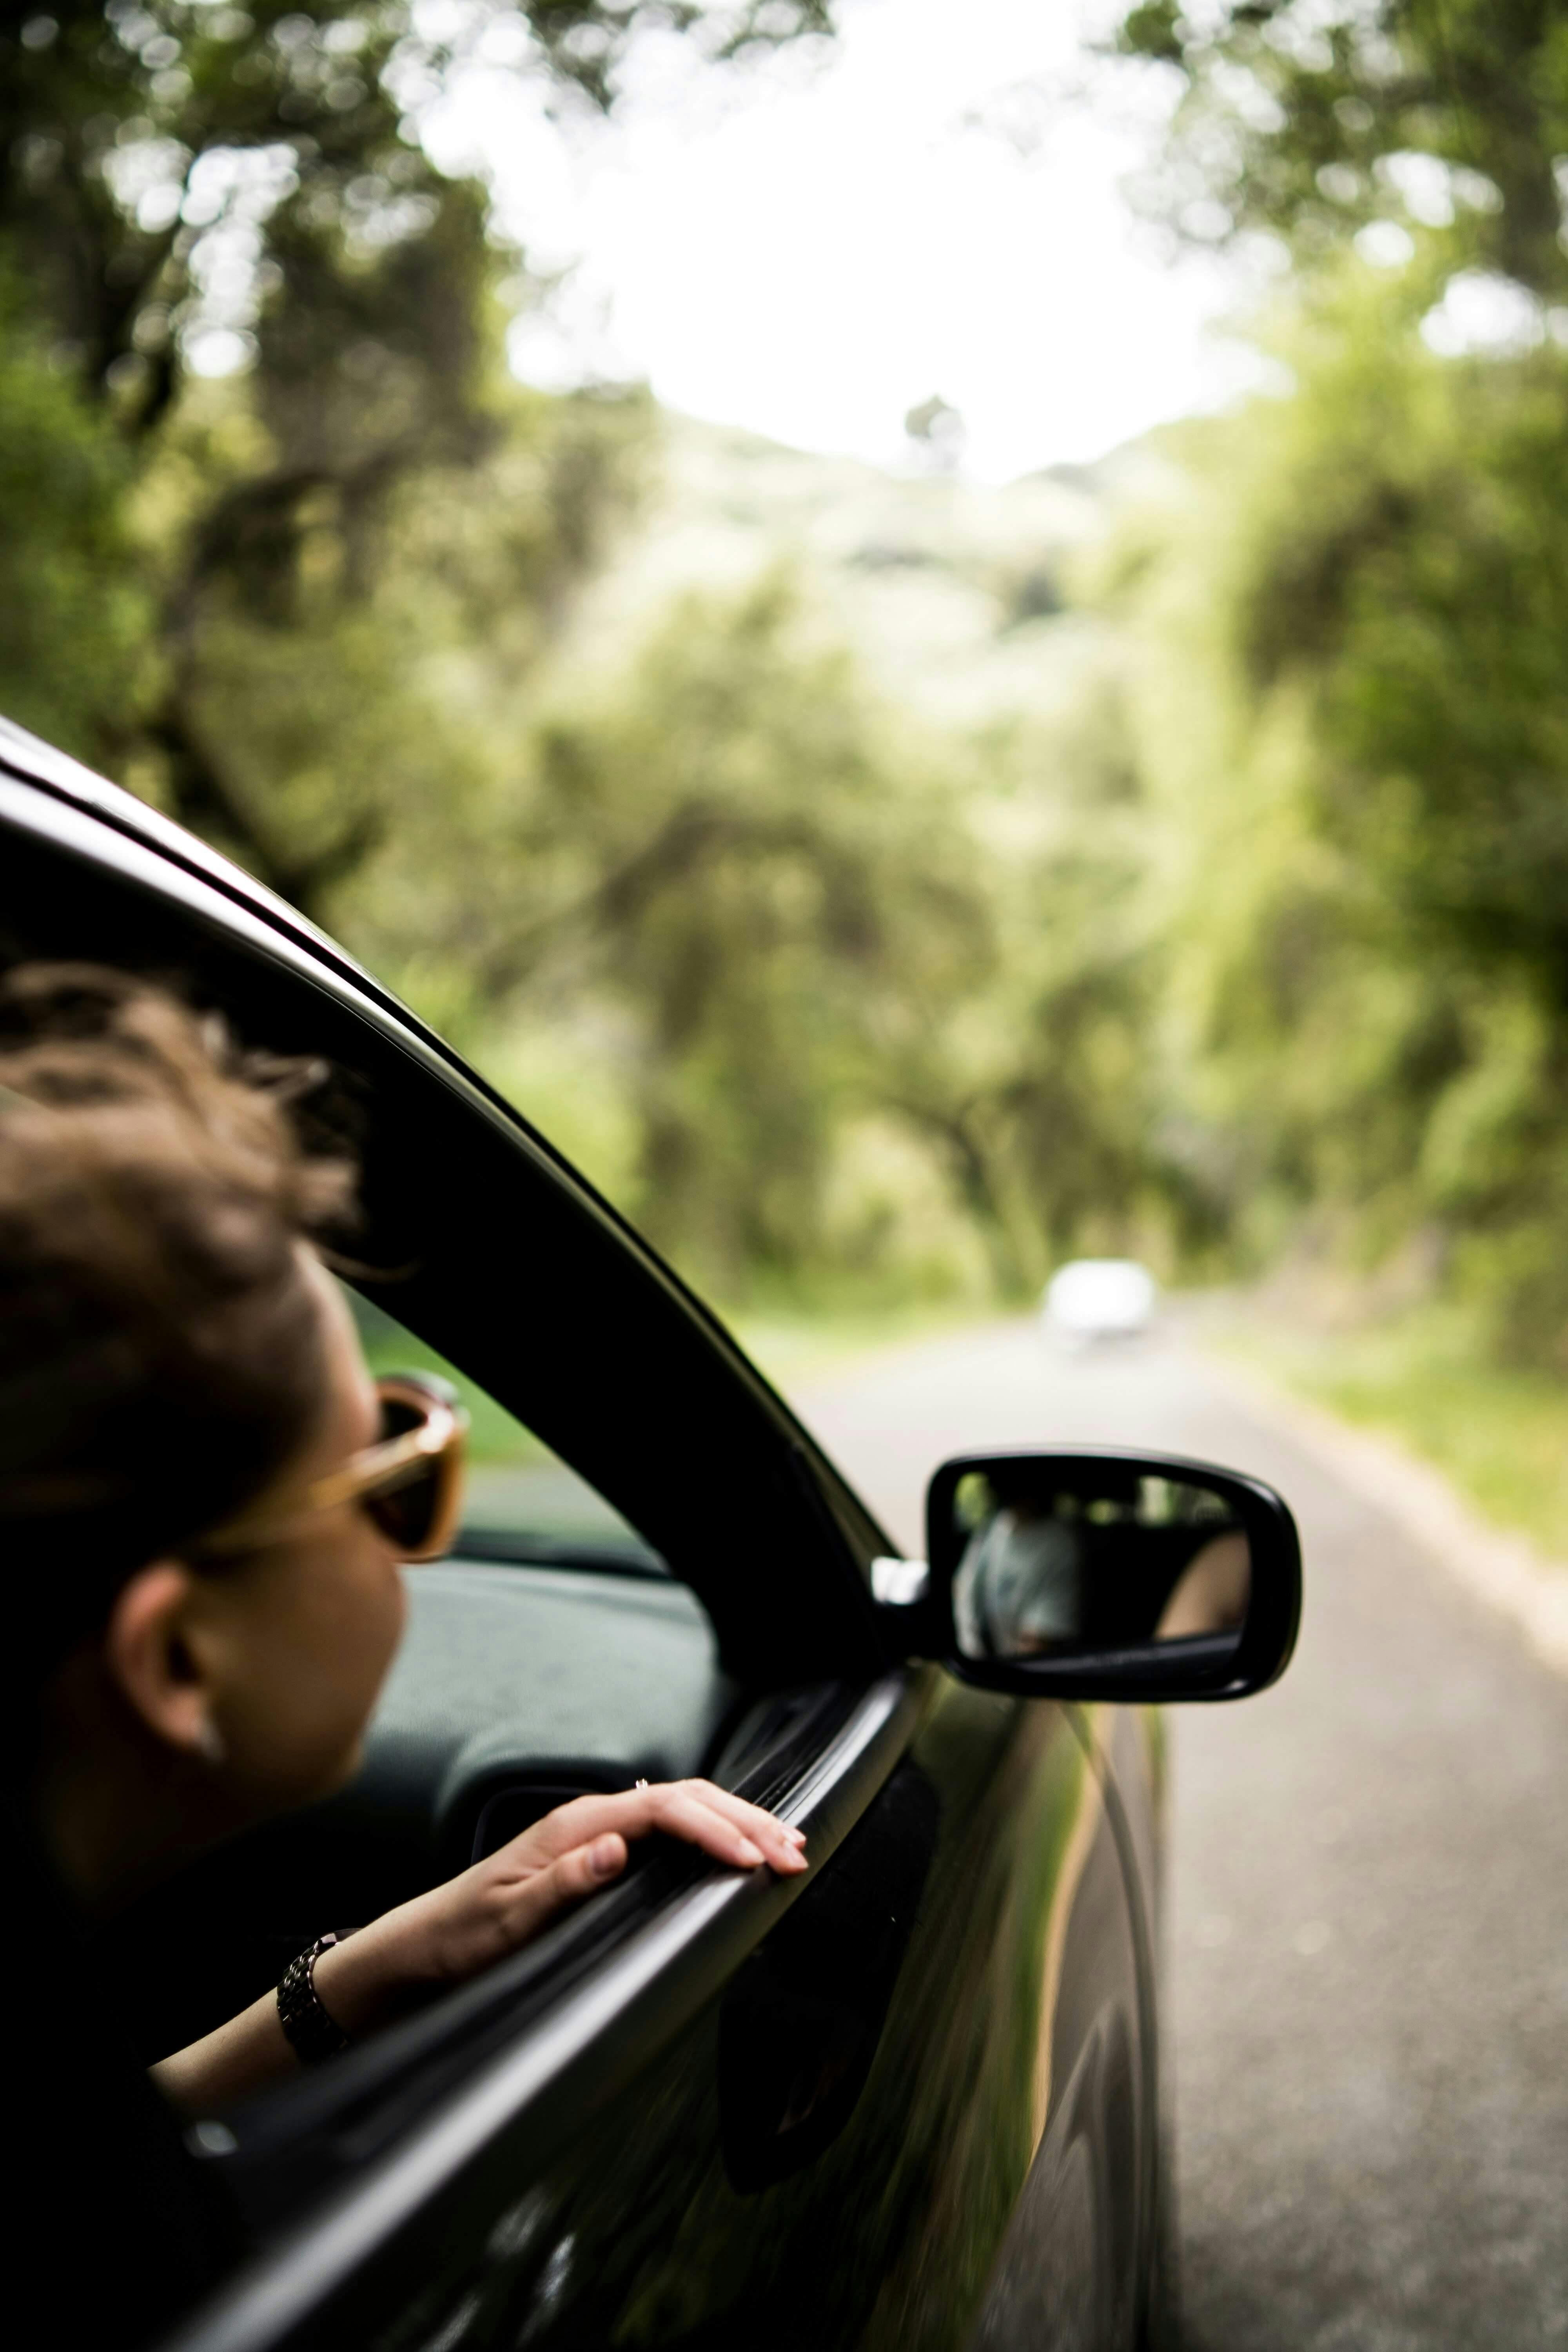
[150,1654]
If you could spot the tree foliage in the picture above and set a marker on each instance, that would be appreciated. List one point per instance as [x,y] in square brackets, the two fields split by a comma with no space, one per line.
[73,621]
[1355,721]
[723,857]
[185,184]
[1260,934]
[814,995]
[169,167]
[1450,116]
[1354,708]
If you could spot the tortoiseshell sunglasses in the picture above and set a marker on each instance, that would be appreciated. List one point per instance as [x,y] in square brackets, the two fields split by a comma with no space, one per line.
[409,1484]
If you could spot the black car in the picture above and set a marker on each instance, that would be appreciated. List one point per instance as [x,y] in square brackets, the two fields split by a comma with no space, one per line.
[912,2099]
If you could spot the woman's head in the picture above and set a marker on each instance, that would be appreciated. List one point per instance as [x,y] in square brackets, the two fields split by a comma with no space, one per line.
[171,1353]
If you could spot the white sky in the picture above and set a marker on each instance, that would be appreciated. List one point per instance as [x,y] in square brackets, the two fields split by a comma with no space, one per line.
[810,246]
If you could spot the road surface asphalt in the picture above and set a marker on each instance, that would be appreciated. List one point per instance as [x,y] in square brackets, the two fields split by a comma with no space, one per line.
[1367,1961]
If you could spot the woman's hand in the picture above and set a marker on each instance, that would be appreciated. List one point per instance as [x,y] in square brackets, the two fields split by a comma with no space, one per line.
[454,1931]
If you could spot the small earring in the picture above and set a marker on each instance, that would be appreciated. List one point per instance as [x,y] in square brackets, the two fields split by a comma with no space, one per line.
[210,1745]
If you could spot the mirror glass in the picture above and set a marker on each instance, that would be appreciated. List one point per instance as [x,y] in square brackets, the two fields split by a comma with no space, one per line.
[1052,1561]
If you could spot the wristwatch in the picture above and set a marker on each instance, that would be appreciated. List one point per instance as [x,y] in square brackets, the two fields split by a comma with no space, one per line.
[313,2033]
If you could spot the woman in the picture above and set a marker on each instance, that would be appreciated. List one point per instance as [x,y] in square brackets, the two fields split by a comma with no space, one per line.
[201,1510]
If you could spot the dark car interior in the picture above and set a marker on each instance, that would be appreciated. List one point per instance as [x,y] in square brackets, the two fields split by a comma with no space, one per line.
[711,1640]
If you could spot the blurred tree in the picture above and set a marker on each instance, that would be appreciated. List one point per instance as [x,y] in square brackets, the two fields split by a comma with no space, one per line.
[1355,704]
[189,185]
[724,857]
[168,167]
[1447,116]
[797,924]
[73,622]
[1356,716]
[309,709]
[1039,1077]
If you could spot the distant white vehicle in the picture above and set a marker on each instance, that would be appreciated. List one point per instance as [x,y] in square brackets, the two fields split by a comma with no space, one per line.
[1099,1298]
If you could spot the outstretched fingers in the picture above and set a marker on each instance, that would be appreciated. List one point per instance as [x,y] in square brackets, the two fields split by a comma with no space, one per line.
[711,1819]
[762,1829]
[693,1812]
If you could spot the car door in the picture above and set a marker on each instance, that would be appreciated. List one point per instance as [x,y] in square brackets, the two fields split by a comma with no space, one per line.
[735,2122]
[909,2103]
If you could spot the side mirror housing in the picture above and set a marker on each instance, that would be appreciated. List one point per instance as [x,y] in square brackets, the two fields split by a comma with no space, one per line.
[1103,1575]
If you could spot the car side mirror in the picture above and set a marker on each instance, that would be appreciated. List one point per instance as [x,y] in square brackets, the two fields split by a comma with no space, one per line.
[1103,1575]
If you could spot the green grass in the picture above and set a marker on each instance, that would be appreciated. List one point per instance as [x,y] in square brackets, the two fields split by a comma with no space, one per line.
[1501,1435]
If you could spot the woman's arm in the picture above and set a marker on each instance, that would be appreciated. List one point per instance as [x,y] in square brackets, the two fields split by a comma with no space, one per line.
[441,1937]
[1212,1593]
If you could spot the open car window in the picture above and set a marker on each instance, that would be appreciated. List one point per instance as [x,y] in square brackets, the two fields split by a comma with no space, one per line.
[522,1502]
[552,1654]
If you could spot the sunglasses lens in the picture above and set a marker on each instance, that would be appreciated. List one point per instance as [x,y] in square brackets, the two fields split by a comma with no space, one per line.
[407,1514]
[399,1414]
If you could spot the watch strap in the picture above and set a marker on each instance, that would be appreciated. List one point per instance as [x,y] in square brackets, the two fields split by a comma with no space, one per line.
[313,2033]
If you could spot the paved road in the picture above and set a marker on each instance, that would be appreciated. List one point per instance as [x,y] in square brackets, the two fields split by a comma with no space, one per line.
[1369,1932]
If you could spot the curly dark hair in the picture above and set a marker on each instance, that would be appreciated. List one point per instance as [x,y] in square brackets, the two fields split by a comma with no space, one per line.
[159,1347]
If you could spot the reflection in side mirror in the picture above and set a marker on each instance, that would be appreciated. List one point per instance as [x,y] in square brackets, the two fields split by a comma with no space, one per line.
[1054,1563]
[1109,1575]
